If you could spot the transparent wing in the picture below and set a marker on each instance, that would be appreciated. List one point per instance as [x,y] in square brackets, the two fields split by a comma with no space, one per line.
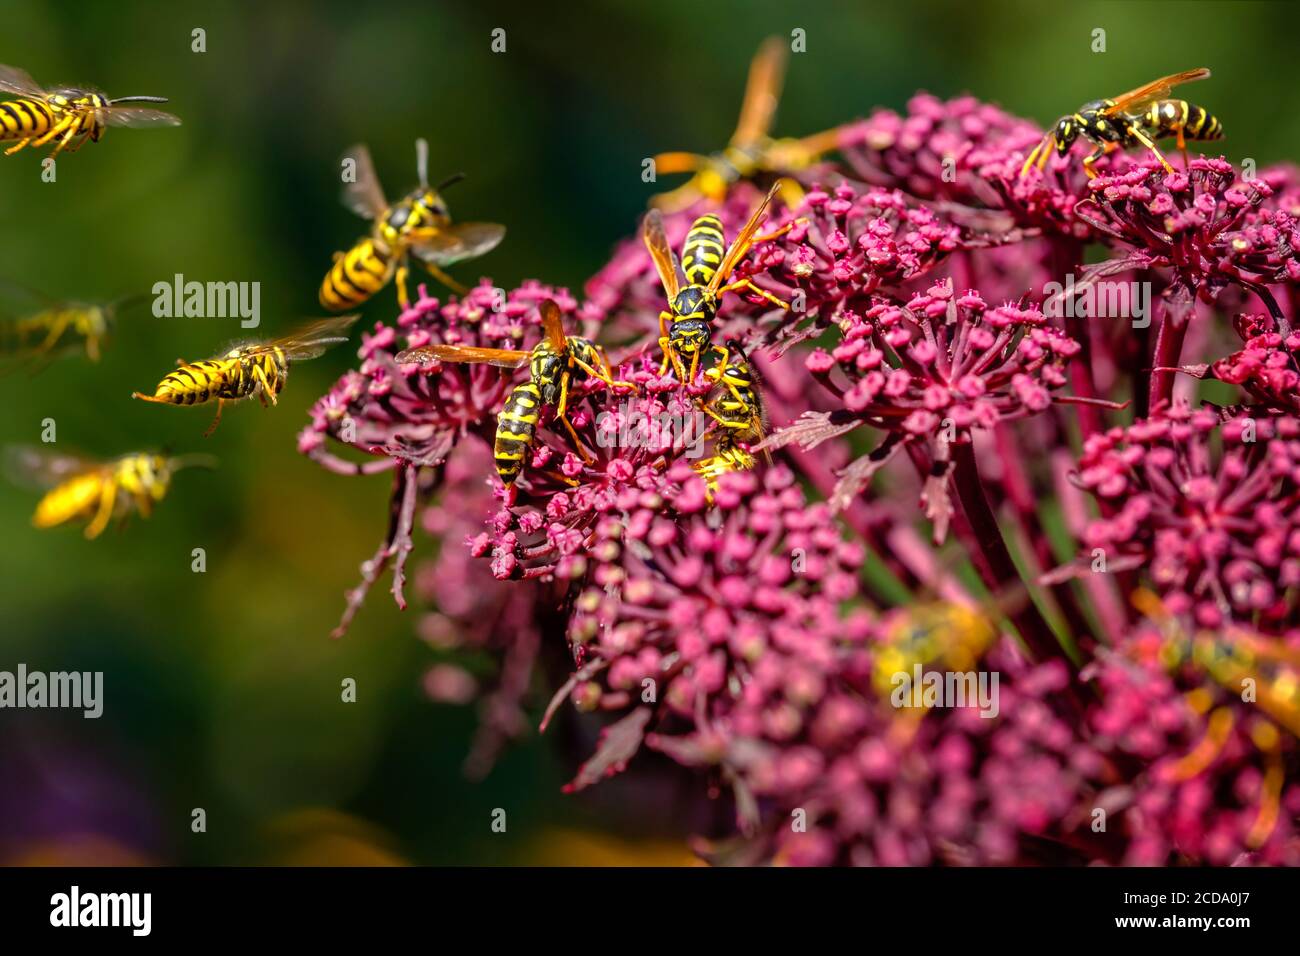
[365,197]
[553,325]
[138,117]
[762,93]
[1134,100]
[460,241]
[310,340]
[37,468]
[14,80]
[740,245]
[666,264]
[465,354]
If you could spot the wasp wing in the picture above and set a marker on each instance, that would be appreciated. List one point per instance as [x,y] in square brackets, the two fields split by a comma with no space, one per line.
[137,116]
[762,93]
[666,264]
[553,325]
[740,245]
[364,196]
[460,241]
[14,80]
[1134,100]
[307,341]
[465,354]
[36,468]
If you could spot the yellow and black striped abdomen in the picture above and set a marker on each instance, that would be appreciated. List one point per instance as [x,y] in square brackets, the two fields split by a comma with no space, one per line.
[1167,117]
[25,118]
[357,275]
[702,254]
[516,428]
[78,497]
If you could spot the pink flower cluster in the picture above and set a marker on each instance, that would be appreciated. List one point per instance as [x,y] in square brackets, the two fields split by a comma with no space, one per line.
[1114,601]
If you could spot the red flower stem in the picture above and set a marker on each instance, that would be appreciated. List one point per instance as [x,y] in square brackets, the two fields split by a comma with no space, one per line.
[1169,349]
[995,566]
[1064,257]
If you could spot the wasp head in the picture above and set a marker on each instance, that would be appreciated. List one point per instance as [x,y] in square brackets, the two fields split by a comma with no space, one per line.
[1066,132]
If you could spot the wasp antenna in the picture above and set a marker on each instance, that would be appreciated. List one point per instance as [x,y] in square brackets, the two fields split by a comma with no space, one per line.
[196,460]
[138,99]
[450,181]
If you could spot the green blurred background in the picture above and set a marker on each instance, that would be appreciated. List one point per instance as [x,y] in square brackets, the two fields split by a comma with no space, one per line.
[222,689]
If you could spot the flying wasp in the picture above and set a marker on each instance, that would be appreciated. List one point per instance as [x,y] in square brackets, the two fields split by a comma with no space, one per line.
[695,285]
[66,114]
[96,492]
[555,364]
[751,153]
[259,369]
[1137,118]
[1230,656]
[42,328]
[418,225]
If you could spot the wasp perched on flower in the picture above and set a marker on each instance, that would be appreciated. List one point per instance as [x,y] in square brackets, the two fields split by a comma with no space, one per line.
[556,364]
[1136,118]
[693,287]
[417,225]
[259,369]
[751,153]
[82,489]
[71,116]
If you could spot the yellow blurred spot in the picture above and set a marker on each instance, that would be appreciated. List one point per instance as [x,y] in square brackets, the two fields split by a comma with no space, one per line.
[563,847]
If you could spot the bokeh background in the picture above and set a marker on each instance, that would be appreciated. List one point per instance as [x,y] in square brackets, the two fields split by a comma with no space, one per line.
[223,688]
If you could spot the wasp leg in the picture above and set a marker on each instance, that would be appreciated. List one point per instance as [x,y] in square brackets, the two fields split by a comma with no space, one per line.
[445,279]
[724,422]
[216,421]
[1203,754]
[403,299]
[1105,149]
[560,416]
[73,128]
[267,390]
[748,284]
[1145,140]
[670,355]
[85,138]
[57,328]
[1182,148]
[93,347]
[776,233]
[600,374]
[17,146]
[107,499]
[56,130]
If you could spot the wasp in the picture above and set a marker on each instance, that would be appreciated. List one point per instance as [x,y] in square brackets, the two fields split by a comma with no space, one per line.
[1136,118]
[751,153]
[555,365]
[1236,659]
[82,489]
[735,402]
[49,327]
[951,635]
[695,285]
[70,116]
[259,369]
[418,224]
